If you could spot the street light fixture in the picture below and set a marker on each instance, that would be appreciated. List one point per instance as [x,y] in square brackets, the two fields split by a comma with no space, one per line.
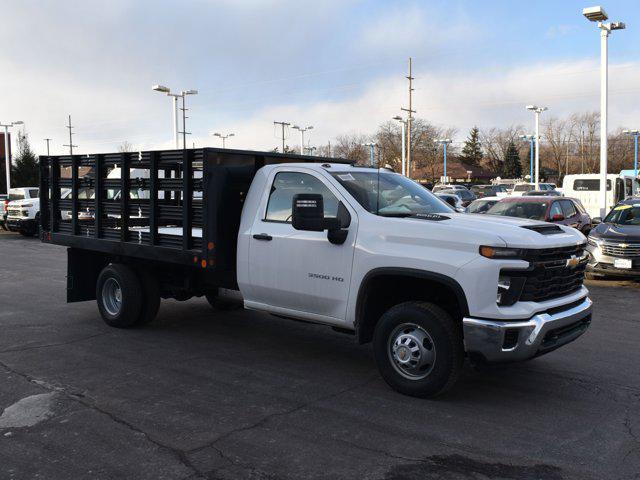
[403,123]
[7,156]
[597,14]
[537,110]
[635,134]
[445,142]
[174,113]
[302,130]
[224,137]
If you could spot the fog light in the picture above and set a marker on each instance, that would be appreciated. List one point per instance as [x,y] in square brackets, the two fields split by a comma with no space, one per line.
[509,290]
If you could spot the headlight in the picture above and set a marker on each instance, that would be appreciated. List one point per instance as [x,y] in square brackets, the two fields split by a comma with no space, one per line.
[594,242]
[501,252]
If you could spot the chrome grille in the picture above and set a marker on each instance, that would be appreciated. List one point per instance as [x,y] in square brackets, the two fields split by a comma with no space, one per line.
[621,249]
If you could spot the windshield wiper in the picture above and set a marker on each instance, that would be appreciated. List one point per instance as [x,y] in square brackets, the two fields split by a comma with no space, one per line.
[397,214]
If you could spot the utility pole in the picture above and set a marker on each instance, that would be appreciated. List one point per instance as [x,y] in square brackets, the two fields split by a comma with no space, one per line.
[282,124]
[47,140]
[71,145]
[410,112]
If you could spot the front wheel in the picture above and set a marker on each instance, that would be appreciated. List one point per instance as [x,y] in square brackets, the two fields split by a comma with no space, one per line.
[418,348]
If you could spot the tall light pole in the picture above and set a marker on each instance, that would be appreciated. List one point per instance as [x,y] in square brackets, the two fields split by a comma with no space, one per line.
[403,124]
[597,14]
[47,140]
[372,152]
[302,130]
[635,134]
[7,155]
[445,142]
[224,137]
[531,139]
[537,110]
[174,113]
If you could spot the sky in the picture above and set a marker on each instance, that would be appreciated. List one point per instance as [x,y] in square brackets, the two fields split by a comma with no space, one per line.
[338,65]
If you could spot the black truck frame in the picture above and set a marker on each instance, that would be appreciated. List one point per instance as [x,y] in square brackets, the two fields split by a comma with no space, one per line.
[131,218]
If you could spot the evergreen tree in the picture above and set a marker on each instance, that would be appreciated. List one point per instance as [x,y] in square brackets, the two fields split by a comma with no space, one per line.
[512,168]
[471,152]
[24,171]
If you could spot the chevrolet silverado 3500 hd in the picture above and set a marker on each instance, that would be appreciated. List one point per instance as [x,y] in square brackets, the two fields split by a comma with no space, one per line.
[365,251]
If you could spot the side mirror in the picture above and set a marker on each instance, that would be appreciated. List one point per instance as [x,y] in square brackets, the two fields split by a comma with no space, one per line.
[596,220]
[558,217]
[308,214]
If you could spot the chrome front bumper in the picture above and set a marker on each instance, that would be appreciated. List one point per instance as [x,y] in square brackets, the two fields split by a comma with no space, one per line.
[499,341]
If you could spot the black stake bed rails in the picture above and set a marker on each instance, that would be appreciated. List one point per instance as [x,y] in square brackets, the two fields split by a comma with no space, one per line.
[176,206]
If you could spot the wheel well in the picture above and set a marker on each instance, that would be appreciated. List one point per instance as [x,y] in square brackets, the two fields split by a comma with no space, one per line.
[381,291]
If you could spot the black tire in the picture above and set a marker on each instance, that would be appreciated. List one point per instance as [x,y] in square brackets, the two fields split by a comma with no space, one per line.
[220,304]
[124,313]
[150,297]
[442,346]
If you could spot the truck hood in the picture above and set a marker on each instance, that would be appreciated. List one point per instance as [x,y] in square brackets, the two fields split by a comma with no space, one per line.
[621,233]
[24,201]
[512,232]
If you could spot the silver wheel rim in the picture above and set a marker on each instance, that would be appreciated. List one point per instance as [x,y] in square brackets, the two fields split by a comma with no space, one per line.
[112,296]
[411,351]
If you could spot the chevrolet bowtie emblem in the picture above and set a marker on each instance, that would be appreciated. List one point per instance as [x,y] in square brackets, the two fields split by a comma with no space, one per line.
[573,261]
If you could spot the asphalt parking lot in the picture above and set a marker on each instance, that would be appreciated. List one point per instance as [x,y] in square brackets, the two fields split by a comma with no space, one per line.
[230,395]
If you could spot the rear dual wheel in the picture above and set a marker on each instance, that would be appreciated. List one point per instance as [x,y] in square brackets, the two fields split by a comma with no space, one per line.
[126,298]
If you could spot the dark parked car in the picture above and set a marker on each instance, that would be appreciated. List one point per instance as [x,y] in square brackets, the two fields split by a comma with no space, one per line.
[614,244]
[565,211]
[465,195]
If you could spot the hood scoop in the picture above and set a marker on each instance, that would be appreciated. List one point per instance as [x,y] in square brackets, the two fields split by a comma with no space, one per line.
[548,229]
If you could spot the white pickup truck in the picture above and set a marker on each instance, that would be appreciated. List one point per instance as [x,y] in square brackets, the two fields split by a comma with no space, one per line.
[366,251]
[23,210]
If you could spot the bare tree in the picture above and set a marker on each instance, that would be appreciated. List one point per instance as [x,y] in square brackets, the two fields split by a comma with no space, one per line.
[350,146]
[125,147]
[558,134]
[495,142]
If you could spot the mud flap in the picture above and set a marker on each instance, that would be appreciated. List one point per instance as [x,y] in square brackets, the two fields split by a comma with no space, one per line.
[83,268]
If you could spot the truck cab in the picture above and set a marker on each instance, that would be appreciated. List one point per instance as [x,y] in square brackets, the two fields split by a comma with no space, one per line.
[404,254]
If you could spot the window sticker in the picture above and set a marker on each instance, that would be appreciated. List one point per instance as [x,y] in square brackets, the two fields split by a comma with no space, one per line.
[347,177]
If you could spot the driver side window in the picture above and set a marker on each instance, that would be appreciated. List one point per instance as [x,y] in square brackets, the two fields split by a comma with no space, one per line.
[286,185]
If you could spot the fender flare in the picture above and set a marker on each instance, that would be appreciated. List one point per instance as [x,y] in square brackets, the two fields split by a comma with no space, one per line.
[408,272]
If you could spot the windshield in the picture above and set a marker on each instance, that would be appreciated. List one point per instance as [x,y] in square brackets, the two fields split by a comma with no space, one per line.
[16,195]
[531,210]
[399,196]
[624,215]
[480,206]
[522,188]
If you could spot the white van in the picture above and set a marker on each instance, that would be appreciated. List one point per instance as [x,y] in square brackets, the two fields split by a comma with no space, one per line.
[586,188]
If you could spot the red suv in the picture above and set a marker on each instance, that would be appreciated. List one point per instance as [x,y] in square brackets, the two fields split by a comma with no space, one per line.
[563,210]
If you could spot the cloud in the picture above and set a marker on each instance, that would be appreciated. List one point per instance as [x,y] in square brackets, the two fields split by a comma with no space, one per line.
[556,31]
